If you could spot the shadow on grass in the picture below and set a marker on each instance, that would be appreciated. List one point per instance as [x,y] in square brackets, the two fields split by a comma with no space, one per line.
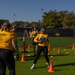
[59,54]
[44,67]
[42,56]
[41,67]
[65,64]
[28,58]
[32,58]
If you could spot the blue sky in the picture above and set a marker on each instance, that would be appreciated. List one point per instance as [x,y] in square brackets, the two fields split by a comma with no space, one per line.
[30,10]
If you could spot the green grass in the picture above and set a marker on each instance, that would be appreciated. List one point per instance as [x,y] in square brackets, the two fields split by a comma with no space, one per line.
[62,63]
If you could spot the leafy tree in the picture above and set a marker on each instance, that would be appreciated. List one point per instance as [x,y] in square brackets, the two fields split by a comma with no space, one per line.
[50,19]
[69,20]
[54,19]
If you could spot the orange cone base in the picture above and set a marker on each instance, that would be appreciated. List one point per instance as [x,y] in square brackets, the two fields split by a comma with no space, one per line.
[51,71]
[22,61]
[51,67]
[59,51]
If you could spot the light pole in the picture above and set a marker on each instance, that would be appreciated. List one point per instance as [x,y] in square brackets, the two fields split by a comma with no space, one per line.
[14,16]
[42,10]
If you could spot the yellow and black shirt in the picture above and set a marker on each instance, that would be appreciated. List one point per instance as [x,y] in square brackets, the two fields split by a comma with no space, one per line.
[43,38]
[33,33]
[6,40]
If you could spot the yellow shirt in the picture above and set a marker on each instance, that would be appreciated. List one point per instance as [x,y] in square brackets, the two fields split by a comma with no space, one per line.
[0,29]
[14,34]
[6,40]
[33,33]
[29,32]
[43,38]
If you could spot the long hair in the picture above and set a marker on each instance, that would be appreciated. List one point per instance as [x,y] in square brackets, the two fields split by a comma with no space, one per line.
[6,26]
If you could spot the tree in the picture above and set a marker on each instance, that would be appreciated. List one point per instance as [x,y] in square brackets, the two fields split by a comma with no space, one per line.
[69,20]
[54,19]
[50,19]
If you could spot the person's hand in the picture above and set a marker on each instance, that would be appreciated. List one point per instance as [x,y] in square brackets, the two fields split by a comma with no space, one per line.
[39,41]
[17,56]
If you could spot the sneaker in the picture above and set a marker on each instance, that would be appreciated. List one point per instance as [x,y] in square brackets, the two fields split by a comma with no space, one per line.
[48,65]
[33,66]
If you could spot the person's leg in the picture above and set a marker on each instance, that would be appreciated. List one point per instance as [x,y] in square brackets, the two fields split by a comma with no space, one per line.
[2,67]
[34,46]
[35,49]
[37,56]
[45,52]
[2,62]
[10,62]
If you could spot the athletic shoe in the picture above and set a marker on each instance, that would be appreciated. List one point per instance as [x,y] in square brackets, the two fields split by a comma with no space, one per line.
[33,66]
[48,65]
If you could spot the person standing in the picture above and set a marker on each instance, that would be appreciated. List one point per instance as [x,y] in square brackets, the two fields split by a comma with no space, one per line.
[33,35]
[7,47]
[42,40]
[13,32]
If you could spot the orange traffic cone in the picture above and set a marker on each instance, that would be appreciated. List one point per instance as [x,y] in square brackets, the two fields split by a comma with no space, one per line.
[49,47]
[51,67]
[28,46]
[73,48]
[59,51]
[23,59]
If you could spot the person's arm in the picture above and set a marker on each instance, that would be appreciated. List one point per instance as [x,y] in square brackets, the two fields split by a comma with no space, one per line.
[32,36]
[15,46]
[36,39]
[47,38]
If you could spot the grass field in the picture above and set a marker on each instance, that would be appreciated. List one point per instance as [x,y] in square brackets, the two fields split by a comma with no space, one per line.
[63,63]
